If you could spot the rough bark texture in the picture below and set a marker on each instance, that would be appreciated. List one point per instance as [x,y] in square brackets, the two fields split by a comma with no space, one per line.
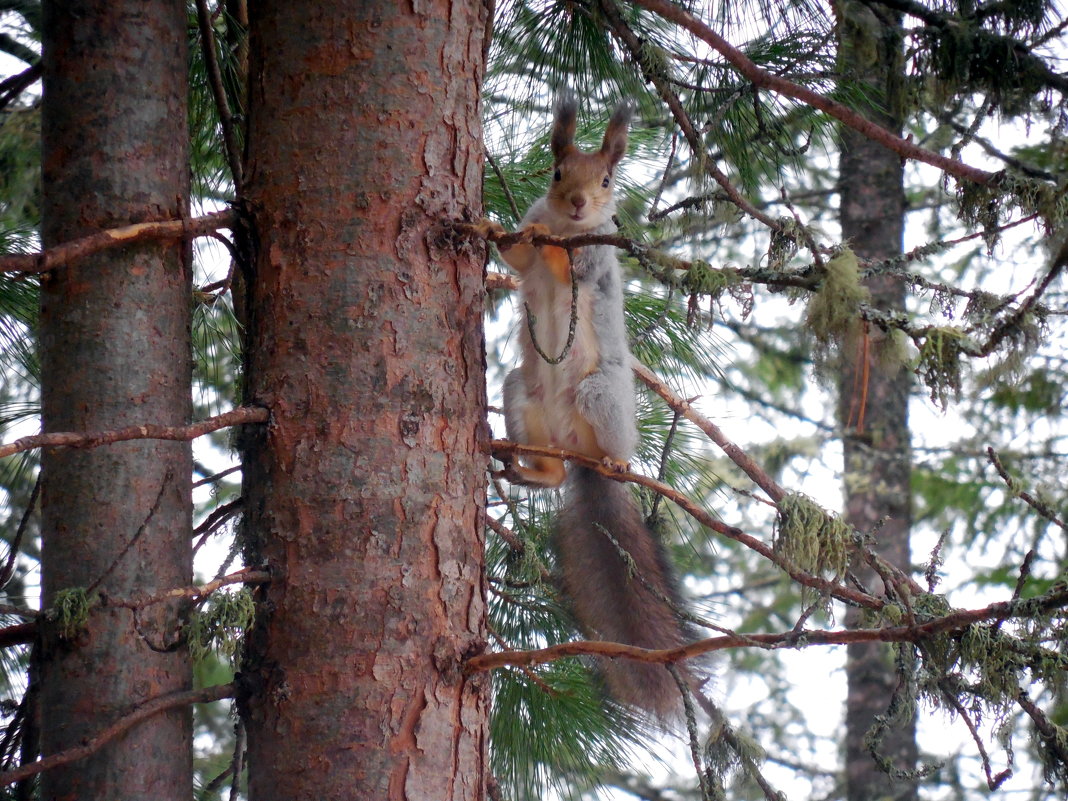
[115,351]
[365,493]
[876,453]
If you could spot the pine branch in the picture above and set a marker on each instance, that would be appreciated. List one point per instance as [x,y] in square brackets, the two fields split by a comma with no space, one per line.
[633,45]
[766,80]
[506,451]
[918,632]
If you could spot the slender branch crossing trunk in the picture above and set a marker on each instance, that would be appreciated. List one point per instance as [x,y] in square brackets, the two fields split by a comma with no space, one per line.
[364,494]
[873,405]
[115,351]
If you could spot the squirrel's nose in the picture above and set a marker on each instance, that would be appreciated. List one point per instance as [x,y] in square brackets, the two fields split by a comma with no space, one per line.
[578,201]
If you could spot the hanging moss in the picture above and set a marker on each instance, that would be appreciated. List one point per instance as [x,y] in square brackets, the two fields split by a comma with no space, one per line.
[983,205]
[703,279]
[810,538]
[939,363]
[220,625]
[833,314]
[785,242]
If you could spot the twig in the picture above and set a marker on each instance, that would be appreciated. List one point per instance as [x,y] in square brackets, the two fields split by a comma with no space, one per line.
[714,433]
[22,633]
[1036,504]
[72,439]
[167,477]
[66,252]
[121,726]
[1050,731]
[194,592]
[952,698]
[211,523]
[504,185]
[238,762]
[215,477]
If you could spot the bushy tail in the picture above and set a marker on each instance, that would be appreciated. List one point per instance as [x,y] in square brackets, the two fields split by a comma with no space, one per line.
[610,600]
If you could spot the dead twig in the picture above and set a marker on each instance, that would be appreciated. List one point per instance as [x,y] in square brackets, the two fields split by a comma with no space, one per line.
[93,439]
[121,726]
[66,252]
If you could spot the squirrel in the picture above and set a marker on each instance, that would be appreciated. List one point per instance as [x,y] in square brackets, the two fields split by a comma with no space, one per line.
[585,403]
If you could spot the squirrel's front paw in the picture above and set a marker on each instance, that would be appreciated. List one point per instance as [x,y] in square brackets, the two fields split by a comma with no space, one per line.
[615,465]
[487,228]
[528,233]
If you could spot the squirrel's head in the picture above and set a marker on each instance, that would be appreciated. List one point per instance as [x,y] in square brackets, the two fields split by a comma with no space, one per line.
[582,184]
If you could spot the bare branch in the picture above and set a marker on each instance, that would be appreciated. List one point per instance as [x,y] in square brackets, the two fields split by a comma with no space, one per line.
[102,240]
[194,592]
[633,44]
[71,439]
[1036,504]
[119,727]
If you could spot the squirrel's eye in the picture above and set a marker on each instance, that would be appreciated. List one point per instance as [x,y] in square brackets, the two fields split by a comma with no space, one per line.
[607,180]
[556,175]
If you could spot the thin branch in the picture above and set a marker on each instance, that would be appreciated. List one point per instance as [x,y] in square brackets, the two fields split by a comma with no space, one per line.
[71,439]
[66,252]
[218,91]
[504,185]
[11,88]
[213,521]
[919,632]
[216,476]
[144,712]
[167,477]
[1039,506]
[766,80]
[22,633]
[714,433]
[16,541]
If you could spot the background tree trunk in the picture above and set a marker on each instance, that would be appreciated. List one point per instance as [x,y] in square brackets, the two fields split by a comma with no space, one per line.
[115,351]
[365,493]
[876,469]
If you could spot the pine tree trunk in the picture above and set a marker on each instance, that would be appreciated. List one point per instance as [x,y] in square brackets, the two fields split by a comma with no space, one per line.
[115,351]
[365,493]
[876,469]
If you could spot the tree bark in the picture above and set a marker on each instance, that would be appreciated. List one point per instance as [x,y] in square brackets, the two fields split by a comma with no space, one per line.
[115,351]
[876,449]
[364,494]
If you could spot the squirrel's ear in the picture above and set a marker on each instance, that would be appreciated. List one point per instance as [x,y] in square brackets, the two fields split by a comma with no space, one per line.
[564,125]
[615,135]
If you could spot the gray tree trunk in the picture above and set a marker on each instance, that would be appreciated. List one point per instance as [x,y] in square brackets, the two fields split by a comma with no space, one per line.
[115,351]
